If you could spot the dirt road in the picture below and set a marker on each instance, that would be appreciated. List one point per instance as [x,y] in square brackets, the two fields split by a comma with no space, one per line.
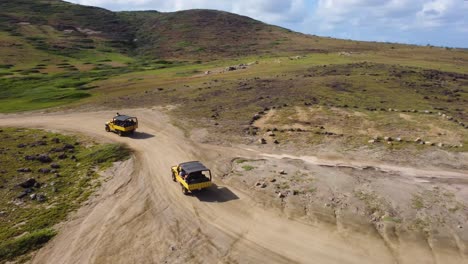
[141,216]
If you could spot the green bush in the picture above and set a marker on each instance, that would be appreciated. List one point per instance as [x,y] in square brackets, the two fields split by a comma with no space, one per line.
[24,244]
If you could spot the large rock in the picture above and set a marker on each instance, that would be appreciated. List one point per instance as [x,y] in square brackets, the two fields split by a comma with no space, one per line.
[28,183]
[68,146]
[44,158]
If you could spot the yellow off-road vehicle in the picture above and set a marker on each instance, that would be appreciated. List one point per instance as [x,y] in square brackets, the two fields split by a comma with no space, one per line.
[122,124]
[192,176]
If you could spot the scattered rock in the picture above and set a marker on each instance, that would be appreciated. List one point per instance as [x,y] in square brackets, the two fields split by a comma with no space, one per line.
[33,196]
[23,170]
[21,145]
[263,185]
[388,138]
[28,157]
[276,141]
[273,180]
[418,140]
[44,158]
[371,141]
[44,170]
[172,248]
[63,156]
[262,141]
[37,185]
[440,145]
[21,195]
[41,198]
[28,183]
[55,166]
[281,195]
[398,139]
[68,146]
[282,172]
[460,226]
[56,140]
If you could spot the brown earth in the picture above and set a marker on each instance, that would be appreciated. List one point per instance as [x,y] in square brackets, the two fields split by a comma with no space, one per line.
[141,216]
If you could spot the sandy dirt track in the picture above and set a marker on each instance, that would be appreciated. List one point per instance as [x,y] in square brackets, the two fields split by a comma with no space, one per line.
[141,215]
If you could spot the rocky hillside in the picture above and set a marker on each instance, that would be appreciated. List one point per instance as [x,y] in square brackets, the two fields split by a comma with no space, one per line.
[66,29]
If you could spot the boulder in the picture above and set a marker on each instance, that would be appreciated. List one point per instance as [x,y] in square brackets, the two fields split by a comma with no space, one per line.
[33,196]
[44,158]
[28,157]
[55,166]
[68,146]
[262,141]
[62,156]
[281,195]
[28,183]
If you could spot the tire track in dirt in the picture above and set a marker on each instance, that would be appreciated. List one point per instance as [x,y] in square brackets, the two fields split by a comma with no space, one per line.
[141,216]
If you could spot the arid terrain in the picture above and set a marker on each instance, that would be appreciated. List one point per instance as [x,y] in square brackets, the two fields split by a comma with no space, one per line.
[323,150]
[332,209]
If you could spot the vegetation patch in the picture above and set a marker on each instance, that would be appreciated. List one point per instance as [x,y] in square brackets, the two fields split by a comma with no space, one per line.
[43,177]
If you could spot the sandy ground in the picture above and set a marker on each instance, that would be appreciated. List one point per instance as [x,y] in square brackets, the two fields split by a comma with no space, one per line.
[141,216]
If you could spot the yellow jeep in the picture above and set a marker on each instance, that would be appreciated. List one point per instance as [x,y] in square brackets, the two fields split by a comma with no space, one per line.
[192,176]
[122,124]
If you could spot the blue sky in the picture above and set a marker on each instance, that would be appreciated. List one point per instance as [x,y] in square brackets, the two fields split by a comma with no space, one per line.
[435,22]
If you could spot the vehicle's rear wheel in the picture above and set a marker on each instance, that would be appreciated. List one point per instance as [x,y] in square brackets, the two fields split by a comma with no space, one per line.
[173,176]
[184,190]
[107,129]
[119,132]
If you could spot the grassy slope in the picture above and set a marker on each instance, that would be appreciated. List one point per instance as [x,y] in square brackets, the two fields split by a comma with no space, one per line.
[362,74]
[25,223]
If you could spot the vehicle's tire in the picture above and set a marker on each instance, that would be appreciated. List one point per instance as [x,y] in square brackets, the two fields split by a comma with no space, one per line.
[119,133]
[173,176]
[132,132]
[184,190]
[107,129]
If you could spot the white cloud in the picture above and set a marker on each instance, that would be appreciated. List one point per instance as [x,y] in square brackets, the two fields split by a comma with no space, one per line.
[397,14]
